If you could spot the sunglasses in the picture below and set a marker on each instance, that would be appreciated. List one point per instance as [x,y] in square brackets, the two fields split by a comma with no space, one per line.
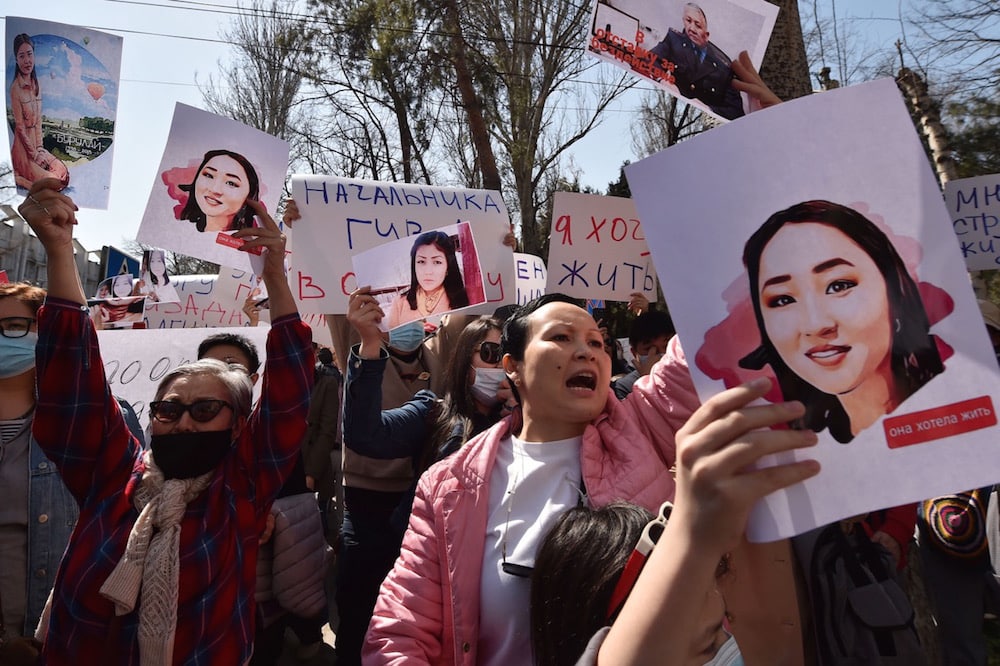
[489,352]
[202,411]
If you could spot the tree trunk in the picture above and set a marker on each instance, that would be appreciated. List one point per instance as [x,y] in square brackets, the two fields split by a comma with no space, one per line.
[929,118]
[785,68]
[485,159]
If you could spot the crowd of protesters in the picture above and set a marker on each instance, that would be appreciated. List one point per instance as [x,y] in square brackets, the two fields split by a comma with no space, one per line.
[492,490]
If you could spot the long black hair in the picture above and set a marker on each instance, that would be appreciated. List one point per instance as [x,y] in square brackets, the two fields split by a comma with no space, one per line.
[914,355]
[454,287]
[20,41]
[244,217]
[576,569]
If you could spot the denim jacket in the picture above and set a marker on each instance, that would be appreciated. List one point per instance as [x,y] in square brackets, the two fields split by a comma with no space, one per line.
[52,514]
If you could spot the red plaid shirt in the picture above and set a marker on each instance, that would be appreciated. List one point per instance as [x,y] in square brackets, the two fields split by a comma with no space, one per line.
[80,428]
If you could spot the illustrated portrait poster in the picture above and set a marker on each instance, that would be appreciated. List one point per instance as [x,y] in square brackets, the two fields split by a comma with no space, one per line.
[685,51]
[867,314]
[597,249]
[974,205]
[342,217]
[446,268]
[211,165]
[61,94]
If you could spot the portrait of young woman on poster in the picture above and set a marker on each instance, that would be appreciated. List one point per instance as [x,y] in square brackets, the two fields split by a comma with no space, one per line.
[436,282]
[29,158]
[218,194]
[841,321]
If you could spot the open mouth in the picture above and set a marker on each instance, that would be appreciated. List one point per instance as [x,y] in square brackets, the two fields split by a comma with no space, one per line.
[582,380]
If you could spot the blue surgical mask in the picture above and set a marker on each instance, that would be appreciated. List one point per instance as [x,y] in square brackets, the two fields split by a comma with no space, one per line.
[408,337]
[487,383]
[17,355]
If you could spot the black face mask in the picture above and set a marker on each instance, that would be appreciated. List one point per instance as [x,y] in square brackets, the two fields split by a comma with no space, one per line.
[186,455]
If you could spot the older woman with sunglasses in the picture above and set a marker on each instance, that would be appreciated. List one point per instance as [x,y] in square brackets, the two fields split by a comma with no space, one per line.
[161,566]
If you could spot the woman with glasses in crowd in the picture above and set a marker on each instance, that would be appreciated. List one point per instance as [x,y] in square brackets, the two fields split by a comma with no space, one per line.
[30,546]
[161,566]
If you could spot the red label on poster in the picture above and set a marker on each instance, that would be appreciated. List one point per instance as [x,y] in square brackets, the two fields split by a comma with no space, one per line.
[939,422]
[229,241]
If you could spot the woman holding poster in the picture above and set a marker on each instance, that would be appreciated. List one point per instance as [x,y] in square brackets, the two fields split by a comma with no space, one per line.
[460,590]
[218,194]
[30,160]
[436,284]
[161,566]
[841,321]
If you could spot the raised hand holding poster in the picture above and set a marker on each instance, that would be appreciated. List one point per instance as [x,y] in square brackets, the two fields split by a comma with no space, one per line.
[62,106]
[831,266]
[435,273]
[210,167]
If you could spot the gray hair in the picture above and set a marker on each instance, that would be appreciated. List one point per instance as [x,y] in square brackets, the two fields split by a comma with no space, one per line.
[697,9]
[232,375]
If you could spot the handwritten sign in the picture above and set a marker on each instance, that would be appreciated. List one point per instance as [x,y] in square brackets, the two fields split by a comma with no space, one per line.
[530,277]
[974,205]
[341,217]
[216,301]
[597,249]
[136,360]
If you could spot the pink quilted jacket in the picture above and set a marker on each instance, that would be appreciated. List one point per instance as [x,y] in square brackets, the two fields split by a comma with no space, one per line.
[428,608]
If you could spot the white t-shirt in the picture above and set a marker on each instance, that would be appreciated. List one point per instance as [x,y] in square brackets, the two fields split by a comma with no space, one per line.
[531,485]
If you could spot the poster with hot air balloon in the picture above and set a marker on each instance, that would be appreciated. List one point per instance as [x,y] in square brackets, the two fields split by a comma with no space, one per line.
[62,103]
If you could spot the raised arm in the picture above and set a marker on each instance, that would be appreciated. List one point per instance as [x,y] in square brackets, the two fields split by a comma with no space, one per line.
[278,423]
[76,423]
[368,429]
[722,440]
[52,216]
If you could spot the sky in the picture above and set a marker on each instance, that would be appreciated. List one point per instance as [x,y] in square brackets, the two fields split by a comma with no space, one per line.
[170,46]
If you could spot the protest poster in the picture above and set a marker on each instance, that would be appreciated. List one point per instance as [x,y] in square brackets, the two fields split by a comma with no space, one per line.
[342,217]
[62,106]
[685,49]
[434,273]
[974,205]
[597,249]
[530,277]
[210,167]
[217,301]
[854,297]
[135,361]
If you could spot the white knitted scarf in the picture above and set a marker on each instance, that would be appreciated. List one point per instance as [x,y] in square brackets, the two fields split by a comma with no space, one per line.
[151,561]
